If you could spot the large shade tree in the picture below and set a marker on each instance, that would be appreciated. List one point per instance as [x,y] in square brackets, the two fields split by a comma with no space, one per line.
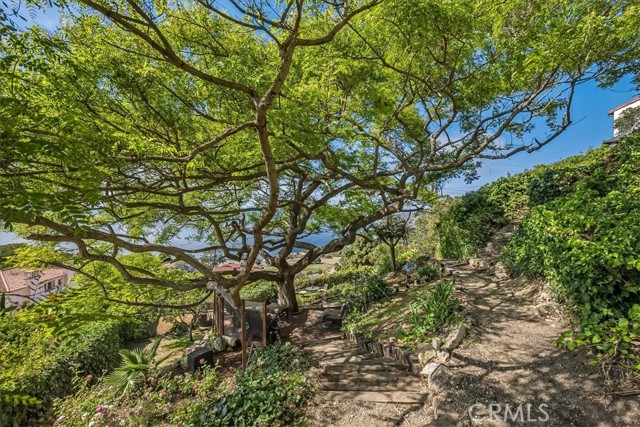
[249,125]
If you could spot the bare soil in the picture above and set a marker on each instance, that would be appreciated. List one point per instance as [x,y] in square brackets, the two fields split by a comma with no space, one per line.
[510,358]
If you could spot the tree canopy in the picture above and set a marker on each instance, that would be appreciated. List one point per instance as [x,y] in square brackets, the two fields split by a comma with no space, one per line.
[247,125]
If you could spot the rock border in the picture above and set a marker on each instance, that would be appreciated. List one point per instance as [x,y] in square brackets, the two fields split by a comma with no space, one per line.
[401,354]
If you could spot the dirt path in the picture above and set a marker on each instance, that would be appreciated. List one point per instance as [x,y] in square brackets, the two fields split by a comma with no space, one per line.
[510,358]
[355,388]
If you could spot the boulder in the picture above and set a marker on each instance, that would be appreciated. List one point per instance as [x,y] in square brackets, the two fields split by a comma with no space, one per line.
[231,341]
[425,352]
[436,375]
[429,369]
[455,337]
[219,344]
[501,271]
[479,263]
[442,357]
[332,315]
[436,343]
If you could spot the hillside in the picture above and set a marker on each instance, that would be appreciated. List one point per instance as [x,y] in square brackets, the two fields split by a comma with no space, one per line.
[577,227]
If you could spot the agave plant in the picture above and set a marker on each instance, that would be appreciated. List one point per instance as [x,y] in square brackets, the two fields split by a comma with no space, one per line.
[134,370]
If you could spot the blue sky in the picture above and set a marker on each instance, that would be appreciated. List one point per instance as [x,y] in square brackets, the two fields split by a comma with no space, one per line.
[591,127]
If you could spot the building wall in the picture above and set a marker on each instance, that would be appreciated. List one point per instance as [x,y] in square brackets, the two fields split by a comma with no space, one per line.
[617,113]
[18,297]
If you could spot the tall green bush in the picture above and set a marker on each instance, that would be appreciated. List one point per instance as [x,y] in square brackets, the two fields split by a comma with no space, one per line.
[587,244]
[35,365]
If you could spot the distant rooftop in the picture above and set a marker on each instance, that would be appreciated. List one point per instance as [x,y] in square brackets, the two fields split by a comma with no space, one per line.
[14,279]
[626,104]
[232,268]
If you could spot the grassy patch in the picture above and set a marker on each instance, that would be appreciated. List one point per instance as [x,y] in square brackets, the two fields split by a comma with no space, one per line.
[410,317]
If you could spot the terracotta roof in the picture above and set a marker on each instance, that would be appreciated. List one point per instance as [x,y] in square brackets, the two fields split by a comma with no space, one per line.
[51,273]
[626,104]
[14,279]
[232,268]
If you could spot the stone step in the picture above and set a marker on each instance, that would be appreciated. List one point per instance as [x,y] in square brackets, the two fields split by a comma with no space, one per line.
[380,384]
[338,353]
[371,375]
[311,343]
[377,360]
[389,387]
[400,397]
[358,367]
[363,358]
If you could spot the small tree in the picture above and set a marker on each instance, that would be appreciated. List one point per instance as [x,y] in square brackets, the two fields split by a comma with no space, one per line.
[391,231]
[628,121]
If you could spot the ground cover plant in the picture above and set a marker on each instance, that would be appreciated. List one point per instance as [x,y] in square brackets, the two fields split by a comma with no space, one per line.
[410,317]
[272,391]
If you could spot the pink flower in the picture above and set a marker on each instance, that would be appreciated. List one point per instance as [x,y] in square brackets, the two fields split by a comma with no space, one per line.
[89,377]
[60,420]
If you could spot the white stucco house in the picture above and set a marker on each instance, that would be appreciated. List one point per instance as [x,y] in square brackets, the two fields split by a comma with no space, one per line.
[25,287]
[618,111]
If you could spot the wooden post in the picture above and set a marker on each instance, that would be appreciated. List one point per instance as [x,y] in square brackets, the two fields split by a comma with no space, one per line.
[264,324]
[243,334]
[214,317]
[220,316]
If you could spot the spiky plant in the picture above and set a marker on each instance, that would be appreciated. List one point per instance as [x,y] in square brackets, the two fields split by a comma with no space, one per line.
[134,370]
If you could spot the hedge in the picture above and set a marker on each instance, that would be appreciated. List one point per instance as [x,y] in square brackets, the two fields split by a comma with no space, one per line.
[35,366]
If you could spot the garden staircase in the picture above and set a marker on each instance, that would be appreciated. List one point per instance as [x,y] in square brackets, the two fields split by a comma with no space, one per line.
[352,374]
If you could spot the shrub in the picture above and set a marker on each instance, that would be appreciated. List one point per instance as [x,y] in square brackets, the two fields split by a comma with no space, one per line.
[431,311]
[50,368]
[333,279]
[270,392]
[428,272]
[168,400]
[260,291]
[586,243]
[375,289]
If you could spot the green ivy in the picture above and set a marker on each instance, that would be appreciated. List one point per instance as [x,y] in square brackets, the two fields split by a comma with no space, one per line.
[586,243]
[270,392]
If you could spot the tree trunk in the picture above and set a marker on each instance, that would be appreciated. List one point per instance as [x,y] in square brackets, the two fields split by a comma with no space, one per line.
[394,265]
[287,294]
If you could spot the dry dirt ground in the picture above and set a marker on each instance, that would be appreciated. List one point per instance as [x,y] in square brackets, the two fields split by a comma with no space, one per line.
[508,358]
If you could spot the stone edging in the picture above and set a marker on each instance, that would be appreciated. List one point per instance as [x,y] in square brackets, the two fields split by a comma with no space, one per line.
[401,354]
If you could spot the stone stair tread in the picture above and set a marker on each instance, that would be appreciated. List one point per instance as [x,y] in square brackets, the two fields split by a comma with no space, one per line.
[350,358]
[377,360]
[411,388]
[333,340]
[334,354]
[401,397]
[355,367]
[354,384]
[372,376]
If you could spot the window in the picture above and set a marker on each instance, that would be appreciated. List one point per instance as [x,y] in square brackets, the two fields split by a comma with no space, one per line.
[48,286]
